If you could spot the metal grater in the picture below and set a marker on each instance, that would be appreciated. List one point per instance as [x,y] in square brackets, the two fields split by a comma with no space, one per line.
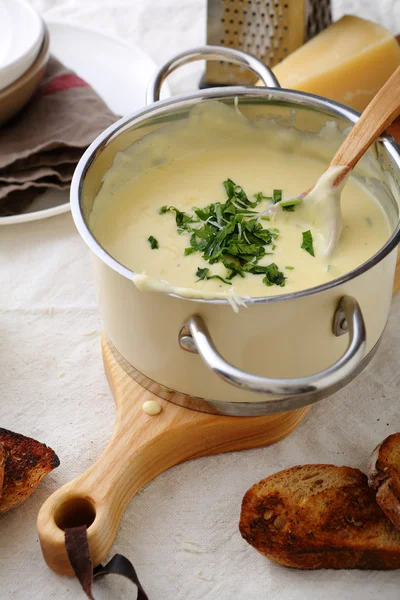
[269,30]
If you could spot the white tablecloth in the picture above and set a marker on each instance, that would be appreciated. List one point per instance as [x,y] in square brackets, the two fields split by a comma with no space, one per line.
[181,530]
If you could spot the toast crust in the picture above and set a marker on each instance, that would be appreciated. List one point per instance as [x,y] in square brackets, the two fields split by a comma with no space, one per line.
[319,516]
[2,461]
[384,476]
[25,463]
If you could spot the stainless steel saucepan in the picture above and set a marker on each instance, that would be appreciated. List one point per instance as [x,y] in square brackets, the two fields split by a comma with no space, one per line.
[279,353]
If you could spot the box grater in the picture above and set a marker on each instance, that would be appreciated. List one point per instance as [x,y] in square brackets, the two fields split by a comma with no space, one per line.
[269,30]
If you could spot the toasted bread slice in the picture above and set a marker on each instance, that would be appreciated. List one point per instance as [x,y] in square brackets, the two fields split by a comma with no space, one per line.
[384,476]
[26,462]
[2,462]
[319,517]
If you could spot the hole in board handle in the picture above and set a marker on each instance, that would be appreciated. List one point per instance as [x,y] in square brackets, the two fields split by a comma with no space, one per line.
[75,512]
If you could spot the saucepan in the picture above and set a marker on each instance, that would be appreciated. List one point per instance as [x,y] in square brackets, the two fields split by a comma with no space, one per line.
[278,353]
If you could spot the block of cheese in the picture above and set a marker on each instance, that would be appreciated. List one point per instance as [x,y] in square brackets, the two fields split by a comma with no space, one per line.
[347,62]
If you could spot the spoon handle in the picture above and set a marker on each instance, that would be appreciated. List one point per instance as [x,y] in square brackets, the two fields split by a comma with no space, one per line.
[380,113]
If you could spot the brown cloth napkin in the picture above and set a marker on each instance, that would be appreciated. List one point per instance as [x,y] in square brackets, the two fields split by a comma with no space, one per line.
[41,146]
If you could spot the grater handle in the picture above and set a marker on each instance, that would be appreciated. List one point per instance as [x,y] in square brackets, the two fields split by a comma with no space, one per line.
[209,53]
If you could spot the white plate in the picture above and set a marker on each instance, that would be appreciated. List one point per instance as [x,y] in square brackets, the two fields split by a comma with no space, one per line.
[21,36]
[119,72]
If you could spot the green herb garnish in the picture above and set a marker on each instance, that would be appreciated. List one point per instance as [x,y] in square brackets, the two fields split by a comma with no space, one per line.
[276,196]
[307,244]
[273,276]
[259,197]
[153,242]
[183,220]
[289,205]
[203,274]
[231,233]
[289,268]
[234,268]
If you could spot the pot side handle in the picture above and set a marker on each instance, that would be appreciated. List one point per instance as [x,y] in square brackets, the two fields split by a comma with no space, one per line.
[209,53]
[194,337]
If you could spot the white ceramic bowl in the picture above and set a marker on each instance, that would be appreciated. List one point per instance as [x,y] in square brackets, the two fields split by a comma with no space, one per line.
[21,37]
[16,95]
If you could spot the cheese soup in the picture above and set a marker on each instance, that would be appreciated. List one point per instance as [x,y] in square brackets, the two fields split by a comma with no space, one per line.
[182,209]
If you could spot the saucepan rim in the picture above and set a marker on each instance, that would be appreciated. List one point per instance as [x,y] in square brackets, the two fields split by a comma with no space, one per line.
[270,95]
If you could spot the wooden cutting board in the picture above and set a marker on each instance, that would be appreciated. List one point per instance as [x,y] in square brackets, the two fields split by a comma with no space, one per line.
[141,447]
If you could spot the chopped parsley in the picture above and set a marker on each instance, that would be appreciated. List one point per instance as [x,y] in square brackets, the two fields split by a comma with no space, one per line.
[260,196]
[182,219]
[153,242]
[307,244]
[203,274]
[289,205]
[289,268]
[276,196]
[273,276]
[231,233]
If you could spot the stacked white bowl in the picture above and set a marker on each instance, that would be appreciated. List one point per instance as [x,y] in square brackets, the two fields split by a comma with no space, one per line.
[21,37]
[23,54]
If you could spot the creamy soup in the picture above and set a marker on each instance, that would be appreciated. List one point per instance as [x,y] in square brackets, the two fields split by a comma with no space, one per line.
[181,208]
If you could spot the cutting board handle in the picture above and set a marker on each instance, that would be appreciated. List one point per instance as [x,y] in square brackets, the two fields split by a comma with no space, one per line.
[137,452]
[141,447]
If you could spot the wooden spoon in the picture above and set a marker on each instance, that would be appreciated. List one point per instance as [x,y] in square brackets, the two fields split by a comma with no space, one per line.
[378,115]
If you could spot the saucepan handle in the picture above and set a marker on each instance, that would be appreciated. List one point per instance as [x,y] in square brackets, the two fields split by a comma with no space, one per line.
[209,53]
[194,337]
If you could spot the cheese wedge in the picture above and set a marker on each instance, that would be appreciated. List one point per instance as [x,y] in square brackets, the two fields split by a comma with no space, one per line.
[347,62]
